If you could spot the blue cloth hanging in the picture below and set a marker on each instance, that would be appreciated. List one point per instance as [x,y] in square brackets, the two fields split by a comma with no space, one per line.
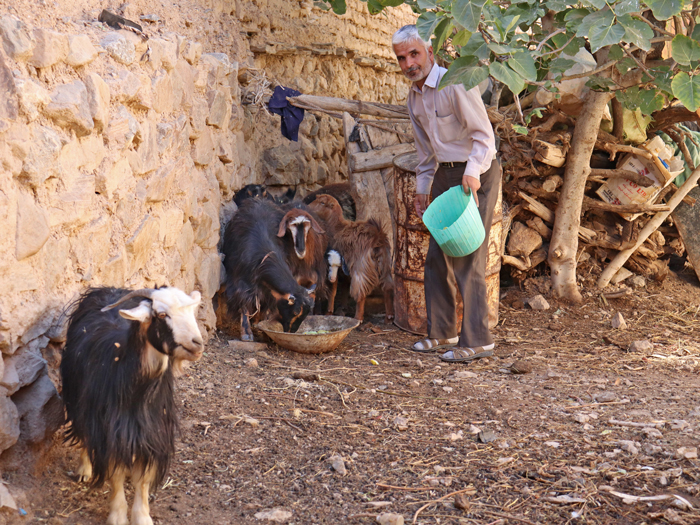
[291,115]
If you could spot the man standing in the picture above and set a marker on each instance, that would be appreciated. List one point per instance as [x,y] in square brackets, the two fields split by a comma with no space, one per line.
[455,144]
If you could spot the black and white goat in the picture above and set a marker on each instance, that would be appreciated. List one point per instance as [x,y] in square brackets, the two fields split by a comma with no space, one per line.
[118,370]
[259,276]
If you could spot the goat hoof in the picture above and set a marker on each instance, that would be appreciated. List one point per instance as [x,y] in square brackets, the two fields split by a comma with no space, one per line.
[246,337]
[118,518]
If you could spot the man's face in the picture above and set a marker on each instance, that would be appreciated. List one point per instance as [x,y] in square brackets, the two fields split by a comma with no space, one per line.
[414,60]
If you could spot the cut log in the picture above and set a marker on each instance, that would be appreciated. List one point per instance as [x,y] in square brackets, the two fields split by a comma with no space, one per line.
[522,240]
[341,105]
[643,181]
[547,215]
[552,183]
[378,158]
[539,209]
[593,204]
[551,154]
[540,227]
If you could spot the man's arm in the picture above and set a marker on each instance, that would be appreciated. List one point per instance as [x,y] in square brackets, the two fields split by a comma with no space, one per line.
[471,113]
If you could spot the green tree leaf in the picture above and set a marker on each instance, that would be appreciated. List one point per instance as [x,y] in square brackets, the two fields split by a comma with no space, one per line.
[665,9]
[636,31]
[426,24]
[597,19]
[444,28]
[476,47]
[467,13]
[465,70]
[500,49]
[560,65]
[506,75]
[599,83]
[687,90]
[338,6]
[607,35]
[629,98]
[522,130]
[615,53]
[461,38]
[626,7]
[685,50]
[523,64]
[598,4]
[427,4]
[651,100]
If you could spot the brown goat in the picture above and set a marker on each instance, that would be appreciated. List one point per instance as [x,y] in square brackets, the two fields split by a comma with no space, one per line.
[306,248]
[366,249]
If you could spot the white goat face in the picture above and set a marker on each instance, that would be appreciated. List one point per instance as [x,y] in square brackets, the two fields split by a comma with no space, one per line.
[299,226]
[176,310]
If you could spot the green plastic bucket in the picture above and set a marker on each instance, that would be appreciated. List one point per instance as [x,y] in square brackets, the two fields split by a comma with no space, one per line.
[454,222]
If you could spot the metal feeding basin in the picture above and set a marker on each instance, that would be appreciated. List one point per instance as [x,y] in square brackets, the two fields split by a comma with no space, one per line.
[316,335]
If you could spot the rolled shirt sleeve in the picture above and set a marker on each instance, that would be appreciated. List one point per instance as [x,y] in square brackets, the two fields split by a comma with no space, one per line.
[471,112]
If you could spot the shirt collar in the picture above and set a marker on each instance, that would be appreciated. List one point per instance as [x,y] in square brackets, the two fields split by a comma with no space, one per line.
[432,79]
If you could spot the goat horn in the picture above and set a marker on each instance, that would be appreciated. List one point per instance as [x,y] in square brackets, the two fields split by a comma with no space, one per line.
[144,292]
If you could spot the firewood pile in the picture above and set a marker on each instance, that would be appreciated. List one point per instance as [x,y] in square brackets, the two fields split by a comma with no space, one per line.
[534,166]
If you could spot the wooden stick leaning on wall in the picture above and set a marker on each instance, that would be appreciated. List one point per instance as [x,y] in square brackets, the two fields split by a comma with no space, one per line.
[650,227]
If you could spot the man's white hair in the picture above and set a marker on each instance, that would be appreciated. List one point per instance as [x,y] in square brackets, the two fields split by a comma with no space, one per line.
[406,34]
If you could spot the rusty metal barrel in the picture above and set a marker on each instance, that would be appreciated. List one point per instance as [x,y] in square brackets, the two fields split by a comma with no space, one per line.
[411,247]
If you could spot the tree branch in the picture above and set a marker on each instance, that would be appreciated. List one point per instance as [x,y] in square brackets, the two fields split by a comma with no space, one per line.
[652,25]
[560,30]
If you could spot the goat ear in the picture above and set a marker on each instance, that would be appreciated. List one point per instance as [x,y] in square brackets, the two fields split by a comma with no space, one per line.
[283,226]
[316,226]
[141,313]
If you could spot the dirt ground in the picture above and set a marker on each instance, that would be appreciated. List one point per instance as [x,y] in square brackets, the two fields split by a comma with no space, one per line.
[589,423]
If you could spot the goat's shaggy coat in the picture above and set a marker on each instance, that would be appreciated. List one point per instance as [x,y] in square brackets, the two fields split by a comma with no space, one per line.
[118,370]
[366,249]
[259,277]
[342,192]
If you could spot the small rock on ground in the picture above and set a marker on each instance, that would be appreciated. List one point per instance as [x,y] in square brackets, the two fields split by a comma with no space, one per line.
[619,322]
[538,303]
[389,518]
[641,346]
[338,465]
[638,281]
[277,515]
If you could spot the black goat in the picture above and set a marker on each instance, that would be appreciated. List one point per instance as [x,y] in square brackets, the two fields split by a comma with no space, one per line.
[340,192]
[118,370]
[259,191]
[259,277]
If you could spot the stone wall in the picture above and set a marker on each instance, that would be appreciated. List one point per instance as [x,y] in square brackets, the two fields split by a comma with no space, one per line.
[115,155]
[316,52]
[119,156]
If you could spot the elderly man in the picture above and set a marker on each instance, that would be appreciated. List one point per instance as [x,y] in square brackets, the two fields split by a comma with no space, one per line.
[455,144]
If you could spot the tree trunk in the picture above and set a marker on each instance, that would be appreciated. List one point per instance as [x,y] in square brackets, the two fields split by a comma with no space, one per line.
[562,251]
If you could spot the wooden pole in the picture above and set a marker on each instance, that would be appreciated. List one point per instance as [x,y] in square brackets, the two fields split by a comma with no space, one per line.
[341,105]
[377,159]
[651,226]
